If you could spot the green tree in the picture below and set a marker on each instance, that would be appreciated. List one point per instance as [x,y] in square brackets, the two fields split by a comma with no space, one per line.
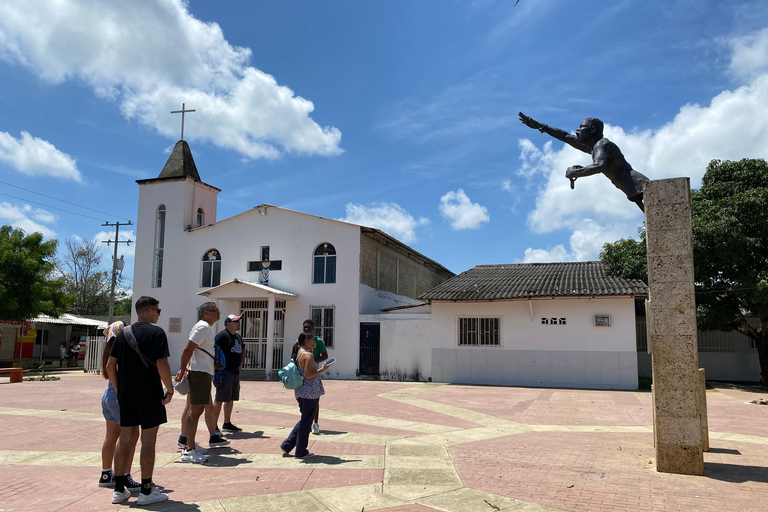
[626,258]
[122,307]
[26,267]
[730,252]
[84,277]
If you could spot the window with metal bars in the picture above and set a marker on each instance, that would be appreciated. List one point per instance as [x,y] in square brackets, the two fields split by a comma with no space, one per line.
[260,304]
[479,332]
[323,317]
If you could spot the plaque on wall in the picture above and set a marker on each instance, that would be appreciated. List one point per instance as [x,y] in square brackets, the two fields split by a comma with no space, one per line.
[603,320]
[174,325]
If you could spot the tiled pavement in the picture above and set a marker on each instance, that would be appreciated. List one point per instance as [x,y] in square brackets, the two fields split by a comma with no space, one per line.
[405,447]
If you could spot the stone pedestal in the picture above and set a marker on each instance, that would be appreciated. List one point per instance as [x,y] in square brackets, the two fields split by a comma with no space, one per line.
[703,411]
[672,315]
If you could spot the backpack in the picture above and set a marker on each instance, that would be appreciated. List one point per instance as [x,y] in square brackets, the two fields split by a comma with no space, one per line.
[219,361]
[221,377]
[290,376]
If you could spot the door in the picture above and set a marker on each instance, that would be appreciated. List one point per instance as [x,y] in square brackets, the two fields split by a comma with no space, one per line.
[369,348]
[253,330]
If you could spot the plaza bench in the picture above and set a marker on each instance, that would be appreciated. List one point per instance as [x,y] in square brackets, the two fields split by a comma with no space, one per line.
[16,373]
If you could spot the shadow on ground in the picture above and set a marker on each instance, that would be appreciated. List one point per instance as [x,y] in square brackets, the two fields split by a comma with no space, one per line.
[259,434]
[328,460]
[332,432]
[735,473]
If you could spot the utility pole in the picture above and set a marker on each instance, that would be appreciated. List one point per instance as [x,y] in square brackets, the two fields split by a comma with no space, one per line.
[115,262]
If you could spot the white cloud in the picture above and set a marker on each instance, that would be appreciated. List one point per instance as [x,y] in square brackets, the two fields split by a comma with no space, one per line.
[29,219]
[128,251]
[388,217]
[463,213]
[535,161]
[506,186]
[37,157]
[729,128]
[750,55]
[557,253]
[149,56]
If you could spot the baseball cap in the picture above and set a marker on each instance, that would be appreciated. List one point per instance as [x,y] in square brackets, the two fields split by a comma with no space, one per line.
[232,318]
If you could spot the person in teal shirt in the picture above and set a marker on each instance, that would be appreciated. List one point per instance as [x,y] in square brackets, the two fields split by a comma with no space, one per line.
[320,354]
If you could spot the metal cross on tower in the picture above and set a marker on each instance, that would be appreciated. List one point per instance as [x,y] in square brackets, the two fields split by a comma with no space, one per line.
[182,112]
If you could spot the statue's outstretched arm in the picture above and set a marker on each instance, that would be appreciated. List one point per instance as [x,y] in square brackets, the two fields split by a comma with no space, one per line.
[557,133]
[598,165]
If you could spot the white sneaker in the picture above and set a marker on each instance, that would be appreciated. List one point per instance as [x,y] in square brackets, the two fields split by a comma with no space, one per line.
[199,449]
[315,428]
[119,497]
[193,456]
[154,497]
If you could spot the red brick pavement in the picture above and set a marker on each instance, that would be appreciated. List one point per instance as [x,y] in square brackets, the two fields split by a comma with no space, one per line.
[582,471]
[586,471]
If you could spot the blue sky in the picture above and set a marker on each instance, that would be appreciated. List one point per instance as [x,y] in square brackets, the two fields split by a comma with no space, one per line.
[400,115]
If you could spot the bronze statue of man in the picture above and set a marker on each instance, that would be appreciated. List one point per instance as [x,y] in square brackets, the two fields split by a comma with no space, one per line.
[606,156]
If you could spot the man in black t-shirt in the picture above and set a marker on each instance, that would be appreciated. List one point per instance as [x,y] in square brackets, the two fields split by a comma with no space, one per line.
[140,396]
[228,390]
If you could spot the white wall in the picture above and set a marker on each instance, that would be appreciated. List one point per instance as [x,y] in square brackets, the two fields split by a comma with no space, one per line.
[577,354]
[406,344]
[292,238]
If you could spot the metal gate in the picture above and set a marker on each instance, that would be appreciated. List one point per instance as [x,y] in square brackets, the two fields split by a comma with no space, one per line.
[94,349]
[253,330]
[369,348]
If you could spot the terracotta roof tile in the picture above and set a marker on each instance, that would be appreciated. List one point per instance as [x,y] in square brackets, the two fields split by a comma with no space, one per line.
[523,280]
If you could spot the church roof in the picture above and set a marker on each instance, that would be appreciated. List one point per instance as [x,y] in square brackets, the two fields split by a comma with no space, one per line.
[180,164]
[528,280]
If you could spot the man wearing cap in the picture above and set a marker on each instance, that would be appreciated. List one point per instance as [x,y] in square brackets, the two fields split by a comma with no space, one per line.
[228,389]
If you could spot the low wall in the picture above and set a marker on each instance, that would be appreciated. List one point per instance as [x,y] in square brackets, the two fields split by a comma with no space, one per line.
[568,369]
[725,366]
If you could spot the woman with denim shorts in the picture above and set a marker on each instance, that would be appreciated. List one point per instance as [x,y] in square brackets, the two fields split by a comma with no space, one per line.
[111,412]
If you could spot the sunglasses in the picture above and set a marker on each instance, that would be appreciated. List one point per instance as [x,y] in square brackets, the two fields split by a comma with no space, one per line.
[213,310]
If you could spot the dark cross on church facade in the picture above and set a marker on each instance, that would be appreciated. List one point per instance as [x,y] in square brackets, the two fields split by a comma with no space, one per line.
[265,265]
[182,112]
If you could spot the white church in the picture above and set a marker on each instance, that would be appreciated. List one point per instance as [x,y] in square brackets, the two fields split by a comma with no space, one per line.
[383,309]
[277,267]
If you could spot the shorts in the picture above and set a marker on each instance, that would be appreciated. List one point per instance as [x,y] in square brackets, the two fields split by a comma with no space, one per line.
[148,415]
[109,407]
[199,388]
[230,390]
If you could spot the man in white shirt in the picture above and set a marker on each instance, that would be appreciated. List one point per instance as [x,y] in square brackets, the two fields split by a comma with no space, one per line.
[199,354]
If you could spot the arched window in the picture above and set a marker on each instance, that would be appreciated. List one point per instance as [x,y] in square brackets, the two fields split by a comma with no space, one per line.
[211,269]
[157,280]
[200,217]
[324,264]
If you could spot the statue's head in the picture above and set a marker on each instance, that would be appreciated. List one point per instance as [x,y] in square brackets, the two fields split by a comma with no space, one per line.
[590,129]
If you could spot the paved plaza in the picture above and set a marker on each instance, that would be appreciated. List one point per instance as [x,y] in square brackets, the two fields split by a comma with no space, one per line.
[392,446]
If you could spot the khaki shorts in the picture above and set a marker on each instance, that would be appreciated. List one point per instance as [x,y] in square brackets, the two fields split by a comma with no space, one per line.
[199,388]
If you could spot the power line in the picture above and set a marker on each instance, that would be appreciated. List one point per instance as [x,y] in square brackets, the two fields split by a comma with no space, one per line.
[62,200]
[52,207]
